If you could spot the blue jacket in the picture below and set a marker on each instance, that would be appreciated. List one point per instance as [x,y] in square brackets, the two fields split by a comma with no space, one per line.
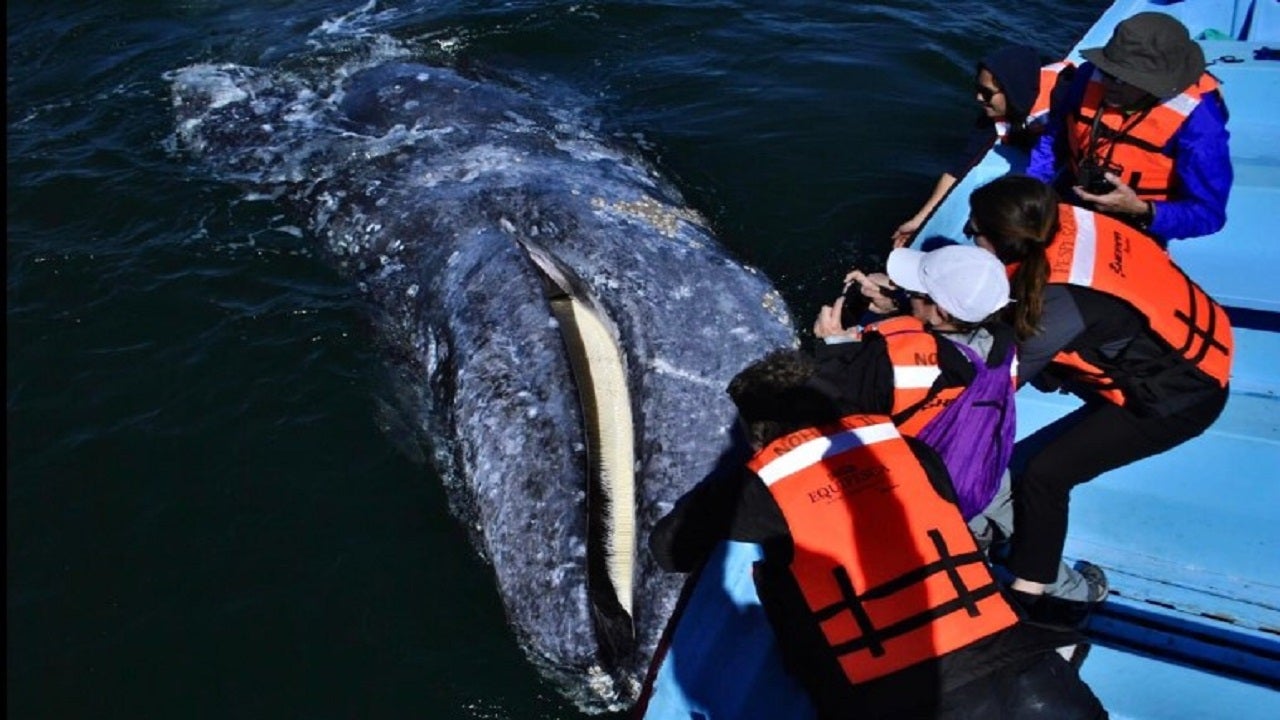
[1202,165]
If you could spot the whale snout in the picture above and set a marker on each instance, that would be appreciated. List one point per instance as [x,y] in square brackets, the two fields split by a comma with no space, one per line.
[561,326]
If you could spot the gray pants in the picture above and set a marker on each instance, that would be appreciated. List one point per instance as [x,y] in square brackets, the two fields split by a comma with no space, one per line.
[996,521]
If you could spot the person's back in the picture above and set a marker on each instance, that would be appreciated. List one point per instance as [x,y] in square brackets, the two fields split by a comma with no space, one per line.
[881,603]
[916,367]
[1152,340]
[881,565]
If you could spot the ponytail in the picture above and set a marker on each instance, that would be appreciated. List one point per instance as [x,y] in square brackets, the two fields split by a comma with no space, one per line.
[1018,215]
[1027,287]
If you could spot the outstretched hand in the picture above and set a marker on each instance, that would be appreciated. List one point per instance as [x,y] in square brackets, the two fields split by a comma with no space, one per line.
[876,286]
[907,230]
[827,325]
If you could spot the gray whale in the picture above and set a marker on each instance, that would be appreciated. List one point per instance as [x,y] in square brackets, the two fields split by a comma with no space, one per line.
[430,189]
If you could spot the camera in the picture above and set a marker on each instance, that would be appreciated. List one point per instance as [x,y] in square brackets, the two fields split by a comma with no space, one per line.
[855,305]
[1092,176]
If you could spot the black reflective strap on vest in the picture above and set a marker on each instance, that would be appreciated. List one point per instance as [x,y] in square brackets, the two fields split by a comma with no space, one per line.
[854,605]
[1135,182]
[1179,360]
[906,413]
[953,573]
[1210,341]
[872,639]
[1098,132]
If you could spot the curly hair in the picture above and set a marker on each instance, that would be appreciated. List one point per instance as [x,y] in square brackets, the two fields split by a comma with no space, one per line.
[776,396]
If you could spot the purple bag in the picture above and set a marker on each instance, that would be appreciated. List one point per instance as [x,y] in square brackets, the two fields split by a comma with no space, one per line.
[974,435]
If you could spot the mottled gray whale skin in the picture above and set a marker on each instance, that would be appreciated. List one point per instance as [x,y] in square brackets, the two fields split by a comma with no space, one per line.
[418,182]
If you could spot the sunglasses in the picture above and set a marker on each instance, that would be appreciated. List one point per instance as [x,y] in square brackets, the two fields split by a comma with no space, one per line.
[913,295]
[985,92]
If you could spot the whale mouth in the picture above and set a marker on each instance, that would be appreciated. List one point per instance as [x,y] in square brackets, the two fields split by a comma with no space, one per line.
[424,212]
[600,374]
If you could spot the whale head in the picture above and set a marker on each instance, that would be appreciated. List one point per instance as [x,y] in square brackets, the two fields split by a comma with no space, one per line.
[560,325]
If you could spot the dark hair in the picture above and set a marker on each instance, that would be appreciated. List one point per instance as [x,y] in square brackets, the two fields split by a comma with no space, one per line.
[1015,114]
[1018,215]
[775,396]
[1015,70]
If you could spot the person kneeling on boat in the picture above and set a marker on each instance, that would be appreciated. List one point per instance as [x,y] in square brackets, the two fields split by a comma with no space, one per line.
[1102,312]
[945,374]
[881,602]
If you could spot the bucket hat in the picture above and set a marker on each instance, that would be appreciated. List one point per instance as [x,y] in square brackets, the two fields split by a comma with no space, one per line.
[966,281]
[1151,51]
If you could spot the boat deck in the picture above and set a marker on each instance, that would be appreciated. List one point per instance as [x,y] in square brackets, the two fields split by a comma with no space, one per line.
[1190,539]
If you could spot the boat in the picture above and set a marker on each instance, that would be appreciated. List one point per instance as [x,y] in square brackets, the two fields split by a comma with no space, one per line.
[1190,539]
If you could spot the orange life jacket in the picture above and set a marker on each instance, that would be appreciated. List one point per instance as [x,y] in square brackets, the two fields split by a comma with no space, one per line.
[1134,142]
[1097,251]
[1038,115]
[886,565]
[913,352]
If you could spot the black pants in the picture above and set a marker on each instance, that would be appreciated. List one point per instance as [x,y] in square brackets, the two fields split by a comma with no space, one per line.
[1046,688]
[1095,438]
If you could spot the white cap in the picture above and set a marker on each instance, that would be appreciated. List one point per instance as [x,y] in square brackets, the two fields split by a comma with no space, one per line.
[966,281]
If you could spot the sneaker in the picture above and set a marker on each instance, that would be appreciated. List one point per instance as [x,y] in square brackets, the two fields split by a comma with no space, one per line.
[1096,579]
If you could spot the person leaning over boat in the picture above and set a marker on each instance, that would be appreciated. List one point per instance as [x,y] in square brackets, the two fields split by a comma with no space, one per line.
[911,366]
[1141,133]
[881,603]
[914,366]
[1100,311]
[1014,92]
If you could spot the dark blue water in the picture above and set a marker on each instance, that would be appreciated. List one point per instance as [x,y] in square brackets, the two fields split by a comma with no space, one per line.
[208,514]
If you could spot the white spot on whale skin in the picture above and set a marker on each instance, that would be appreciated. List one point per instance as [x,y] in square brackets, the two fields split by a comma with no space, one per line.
[661,366]
[587,151]
[522,123]
[603,685]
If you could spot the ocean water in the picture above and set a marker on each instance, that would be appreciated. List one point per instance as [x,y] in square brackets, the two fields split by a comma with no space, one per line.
[208,512]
